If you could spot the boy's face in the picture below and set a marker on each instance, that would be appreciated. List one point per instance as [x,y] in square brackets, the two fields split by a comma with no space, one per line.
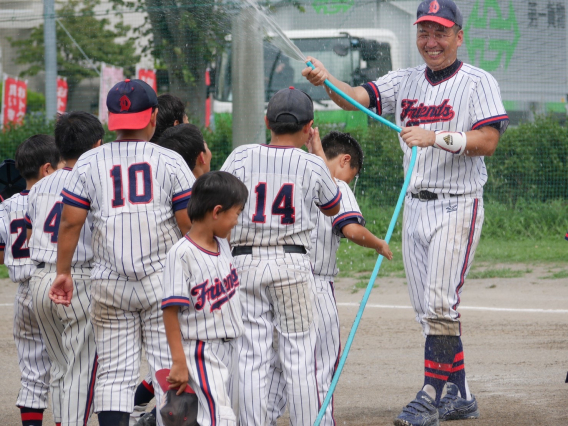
[226,221]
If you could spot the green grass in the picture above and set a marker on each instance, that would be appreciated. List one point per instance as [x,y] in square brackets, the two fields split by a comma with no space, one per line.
[353,260]
[4,272]
[556,275]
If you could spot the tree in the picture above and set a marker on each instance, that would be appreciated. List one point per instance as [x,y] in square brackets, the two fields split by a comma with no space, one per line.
[185,37]
[95,36]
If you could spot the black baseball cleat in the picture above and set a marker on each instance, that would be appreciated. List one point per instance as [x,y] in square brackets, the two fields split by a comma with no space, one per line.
[453,407]
[421,411]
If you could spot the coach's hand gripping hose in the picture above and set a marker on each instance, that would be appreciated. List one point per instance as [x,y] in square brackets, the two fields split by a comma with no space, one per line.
[379,259]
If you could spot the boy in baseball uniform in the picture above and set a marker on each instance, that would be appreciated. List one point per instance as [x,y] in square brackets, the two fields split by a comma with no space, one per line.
[68,330]
[137,193]
[36,158]
[345,160]
[270,247]
[202,311]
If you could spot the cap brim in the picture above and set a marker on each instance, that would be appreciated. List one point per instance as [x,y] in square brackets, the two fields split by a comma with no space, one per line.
[129,121]
[437,19]
[161,376]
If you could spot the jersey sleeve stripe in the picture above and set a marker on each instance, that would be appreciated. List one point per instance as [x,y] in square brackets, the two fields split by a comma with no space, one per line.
[566,235]
[175,301]
[28,221]
[179,201]
[3,246]
[348,215]
[333,202]
[490,120]
[374,96]
[75,200]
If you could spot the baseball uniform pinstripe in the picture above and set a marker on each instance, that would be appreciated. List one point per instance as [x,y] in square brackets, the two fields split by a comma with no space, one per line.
[67,331]
[32,356]
[277,287]
[206,287]
[326,237]
[440,236]
[133,189]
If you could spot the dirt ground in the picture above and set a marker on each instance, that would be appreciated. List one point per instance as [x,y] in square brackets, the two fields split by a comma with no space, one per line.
[514,334]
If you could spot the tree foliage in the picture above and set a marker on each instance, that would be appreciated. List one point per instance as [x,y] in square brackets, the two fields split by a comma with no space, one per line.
[97,37]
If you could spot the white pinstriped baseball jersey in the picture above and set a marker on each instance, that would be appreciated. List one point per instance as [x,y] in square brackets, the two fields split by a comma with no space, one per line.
[13,236]
[327,233]
[467,98]
[44,214]
[285,185]
[133,189]
[206,287]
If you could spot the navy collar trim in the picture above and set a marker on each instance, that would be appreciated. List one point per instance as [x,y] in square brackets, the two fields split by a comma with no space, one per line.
[204,250]
[25,192]
[68,168]
[437,77]
[278,146]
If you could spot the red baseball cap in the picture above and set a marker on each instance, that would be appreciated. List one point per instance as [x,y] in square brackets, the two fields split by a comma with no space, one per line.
[177,410]
[130,105]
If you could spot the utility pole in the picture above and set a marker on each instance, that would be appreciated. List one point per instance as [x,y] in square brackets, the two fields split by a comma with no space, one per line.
[247,78]
[50,52]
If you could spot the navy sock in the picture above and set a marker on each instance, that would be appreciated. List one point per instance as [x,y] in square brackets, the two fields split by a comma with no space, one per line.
[31,416]
[144,393]
[114,418]
[439,354]
[457,375]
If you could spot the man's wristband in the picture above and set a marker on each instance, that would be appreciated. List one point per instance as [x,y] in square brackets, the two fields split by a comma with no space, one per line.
[452,142]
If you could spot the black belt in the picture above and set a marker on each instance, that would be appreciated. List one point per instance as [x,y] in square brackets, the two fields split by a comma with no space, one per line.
[40,265]
[241,250]
[428,196]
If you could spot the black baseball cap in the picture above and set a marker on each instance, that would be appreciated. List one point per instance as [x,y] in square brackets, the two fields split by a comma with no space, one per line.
[444,12]
[130,104]
[177,410]
[290,106]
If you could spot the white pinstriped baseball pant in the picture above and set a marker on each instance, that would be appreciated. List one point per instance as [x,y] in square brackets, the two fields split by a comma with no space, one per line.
[438,242]
[32,356]
[277,293]
[70,342]
[328,347]
[127,315]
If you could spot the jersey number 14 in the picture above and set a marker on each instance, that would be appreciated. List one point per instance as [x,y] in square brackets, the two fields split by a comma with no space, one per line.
[283,204]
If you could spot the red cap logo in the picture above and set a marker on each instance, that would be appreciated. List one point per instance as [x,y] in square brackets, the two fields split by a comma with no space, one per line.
[124,103]
[434,7]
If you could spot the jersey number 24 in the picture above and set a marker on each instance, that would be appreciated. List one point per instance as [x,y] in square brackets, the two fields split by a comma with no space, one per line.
[283,204]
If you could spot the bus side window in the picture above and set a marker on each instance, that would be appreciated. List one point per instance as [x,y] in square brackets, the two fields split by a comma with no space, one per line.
[375,61]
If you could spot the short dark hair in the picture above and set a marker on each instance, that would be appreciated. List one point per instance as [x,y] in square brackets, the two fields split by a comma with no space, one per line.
[283,128]
[336,143]
[214,189]
[170,109]
[186,140]
[76,133]
[33,153]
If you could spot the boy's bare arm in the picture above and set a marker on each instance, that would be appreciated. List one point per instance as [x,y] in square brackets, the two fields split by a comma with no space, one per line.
[363,237]
[183,221]
[179,373]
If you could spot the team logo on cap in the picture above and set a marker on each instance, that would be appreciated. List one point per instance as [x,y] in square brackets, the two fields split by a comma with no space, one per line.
[434,7]
[124,103]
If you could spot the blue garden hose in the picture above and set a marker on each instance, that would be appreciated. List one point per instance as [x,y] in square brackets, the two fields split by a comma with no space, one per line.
[379,259]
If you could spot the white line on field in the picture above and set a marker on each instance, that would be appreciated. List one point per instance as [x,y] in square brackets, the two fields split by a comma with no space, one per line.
[473,308]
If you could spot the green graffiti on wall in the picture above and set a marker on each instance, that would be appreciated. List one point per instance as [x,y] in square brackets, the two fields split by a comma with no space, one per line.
[489,52]
[331,7]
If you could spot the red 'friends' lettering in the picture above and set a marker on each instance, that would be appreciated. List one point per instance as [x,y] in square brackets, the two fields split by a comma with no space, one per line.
[217,293]
[424,114]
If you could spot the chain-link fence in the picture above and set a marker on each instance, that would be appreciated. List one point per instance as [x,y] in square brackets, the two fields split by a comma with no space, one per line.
[186,48]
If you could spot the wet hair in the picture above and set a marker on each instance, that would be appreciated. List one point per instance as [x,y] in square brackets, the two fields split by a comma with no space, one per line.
[337,143]
[214,189]
[170,109]
[186,140]
[33,153]
[286,128]
[76,133]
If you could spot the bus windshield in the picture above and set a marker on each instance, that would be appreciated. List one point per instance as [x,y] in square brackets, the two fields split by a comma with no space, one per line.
[351,60]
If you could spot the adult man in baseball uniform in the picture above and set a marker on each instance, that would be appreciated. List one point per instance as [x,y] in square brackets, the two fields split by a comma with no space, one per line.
[453,113]
[137,192]
[270,245]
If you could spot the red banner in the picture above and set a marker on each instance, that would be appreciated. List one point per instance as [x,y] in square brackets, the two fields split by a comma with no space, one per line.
[62,91]
[14,100]
[147,76]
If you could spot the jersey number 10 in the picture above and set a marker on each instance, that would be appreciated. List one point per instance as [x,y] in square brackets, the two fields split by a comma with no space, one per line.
[139,184]
[283,204]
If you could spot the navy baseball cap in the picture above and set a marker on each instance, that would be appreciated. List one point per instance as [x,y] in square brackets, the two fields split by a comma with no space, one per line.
[177,410]
[130,104]
[290,106]
[444,12]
